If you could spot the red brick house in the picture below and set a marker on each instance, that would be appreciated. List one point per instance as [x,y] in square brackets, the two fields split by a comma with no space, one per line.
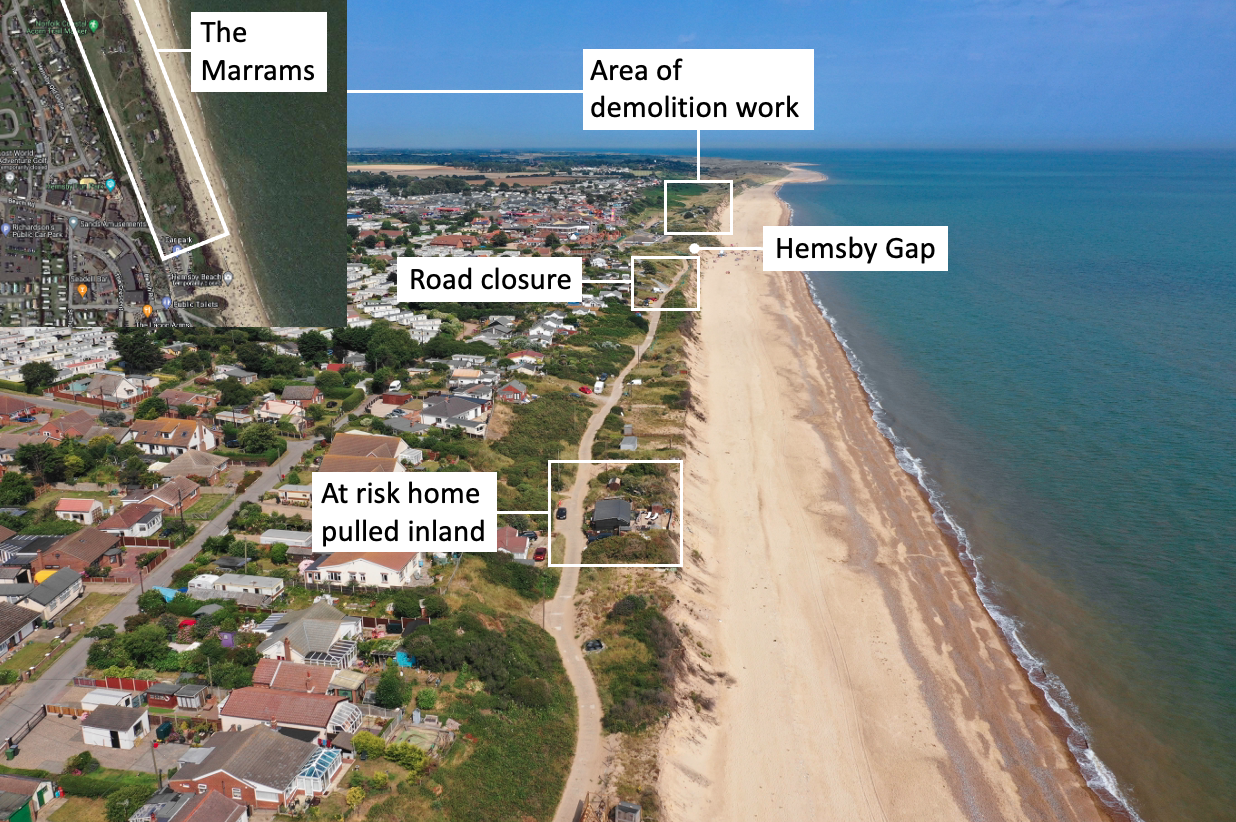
[455,241]
[74,424]
[11,407]
[173,496]
[513,391]
[79,551]
[302,395]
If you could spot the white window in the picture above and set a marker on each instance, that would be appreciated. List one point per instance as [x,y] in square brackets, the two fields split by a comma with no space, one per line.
[384,579]
[201,788]
[236,793]
[334,576]
[360,577]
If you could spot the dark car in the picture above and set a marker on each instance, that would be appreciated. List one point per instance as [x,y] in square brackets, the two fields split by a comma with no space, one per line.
[540,554]
[561,513]
[594,645]
[528,534]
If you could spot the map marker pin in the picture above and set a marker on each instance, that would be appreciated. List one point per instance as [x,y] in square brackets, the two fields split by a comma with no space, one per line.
[147,310]
[82,289]
[9,176]
[167,302]
[72,222]
[111,185]
[94,26]
[227,275]
[5,229]
[176,249]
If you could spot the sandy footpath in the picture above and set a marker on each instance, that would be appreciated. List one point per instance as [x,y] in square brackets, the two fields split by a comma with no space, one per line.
[856,674]
[245,306]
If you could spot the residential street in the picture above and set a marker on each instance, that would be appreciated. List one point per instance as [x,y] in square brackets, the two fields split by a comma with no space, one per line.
[29,697]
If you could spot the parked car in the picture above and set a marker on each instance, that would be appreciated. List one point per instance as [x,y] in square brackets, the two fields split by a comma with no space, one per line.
[539,554]
[594,645]
[561,513]
[528,534]
[583,389]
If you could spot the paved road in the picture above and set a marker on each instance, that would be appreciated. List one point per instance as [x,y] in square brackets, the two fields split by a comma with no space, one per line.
[586,768]
[31,696]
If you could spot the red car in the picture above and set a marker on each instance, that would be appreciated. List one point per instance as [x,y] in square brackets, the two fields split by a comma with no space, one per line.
[539,554]
[583,389]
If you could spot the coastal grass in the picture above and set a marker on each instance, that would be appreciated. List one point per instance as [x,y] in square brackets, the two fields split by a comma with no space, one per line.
[81,809]
[503,681]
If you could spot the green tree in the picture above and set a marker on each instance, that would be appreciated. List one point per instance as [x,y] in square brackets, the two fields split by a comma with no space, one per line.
[552,241]
[258,437]
[328,379]
[187,410]
[369,744]
[15,489]
[390,691]
[111,417]
[279,553]
[73,467]
[41,460]
[233,393]
[436,607]
[500,240]
[132,471]
[408,756]
[313,346]
[315,412]
[355,796]
[150,408]
[426,698]
[139,351]
[37,375]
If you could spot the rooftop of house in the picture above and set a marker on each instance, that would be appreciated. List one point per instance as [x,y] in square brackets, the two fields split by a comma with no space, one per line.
[130,515]
[14,617]
[77,506]
[113,718]
[283,675]
[290,707]
[258,755]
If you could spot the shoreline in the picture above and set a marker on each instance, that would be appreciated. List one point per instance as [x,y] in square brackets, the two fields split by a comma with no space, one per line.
[245,304]
[905,682]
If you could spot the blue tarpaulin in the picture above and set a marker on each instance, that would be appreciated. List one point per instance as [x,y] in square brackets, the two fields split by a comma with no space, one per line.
[168,593]
[404,661]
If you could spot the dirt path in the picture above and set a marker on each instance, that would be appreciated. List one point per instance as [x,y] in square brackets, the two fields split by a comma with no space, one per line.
[586,768]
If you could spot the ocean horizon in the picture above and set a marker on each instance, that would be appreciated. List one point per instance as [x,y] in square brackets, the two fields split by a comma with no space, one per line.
[1061,395]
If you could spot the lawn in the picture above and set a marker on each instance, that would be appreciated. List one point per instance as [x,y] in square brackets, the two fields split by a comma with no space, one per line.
[208,506]
[31,654]
[92,609]
[56,494]
[79,809]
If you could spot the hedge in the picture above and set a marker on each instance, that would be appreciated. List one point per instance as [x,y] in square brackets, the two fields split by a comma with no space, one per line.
[87,786]
[356,398]
[270,456]
[37,773]
[9,385]
[341,392]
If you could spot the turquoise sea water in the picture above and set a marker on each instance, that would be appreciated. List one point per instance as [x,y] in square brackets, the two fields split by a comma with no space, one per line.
[284,159]
[1067,393]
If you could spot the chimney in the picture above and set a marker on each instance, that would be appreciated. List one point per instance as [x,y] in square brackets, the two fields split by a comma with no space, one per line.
[287,649]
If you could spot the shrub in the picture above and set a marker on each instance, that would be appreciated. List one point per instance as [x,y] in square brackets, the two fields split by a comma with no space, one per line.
[379,781]
[436,606]
[7,676]
[530,692]
[84,762]
[104,630]
[369,744]
[627,606]
[85,786]
[426,698]
[407,756]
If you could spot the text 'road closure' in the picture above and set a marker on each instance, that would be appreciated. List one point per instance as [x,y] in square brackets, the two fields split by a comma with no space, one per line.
[489,279]
[438,513]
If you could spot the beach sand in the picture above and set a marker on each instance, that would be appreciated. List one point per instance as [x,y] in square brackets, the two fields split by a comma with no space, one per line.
[245,306]
[856,674]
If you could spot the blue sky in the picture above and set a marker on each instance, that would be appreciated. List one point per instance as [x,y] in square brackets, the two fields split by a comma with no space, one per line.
[946,73]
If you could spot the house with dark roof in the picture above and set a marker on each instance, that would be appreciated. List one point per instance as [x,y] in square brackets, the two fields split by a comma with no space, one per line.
[74,424]
[14,806]
[317,714]
[54,595]
[115,726]
[11,407]
[138,520]
[79,551]
[16,623]
[302,395]
[612,514]
[258,766]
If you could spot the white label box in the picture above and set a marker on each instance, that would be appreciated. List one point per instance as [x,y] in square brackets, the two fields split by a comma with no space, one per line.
[405,511]
[856,248]
[685,89]
[281,51]
[489,279]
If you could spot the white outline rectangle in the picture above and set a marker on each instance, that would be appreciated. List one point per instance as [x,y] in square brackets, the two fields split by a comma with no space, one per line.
[665,210]
[549,529]
[697,283]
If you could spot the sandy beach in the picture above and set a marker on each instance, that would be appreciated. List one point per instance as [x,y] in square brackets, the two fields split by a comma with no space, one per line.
[856,674]
[245,306]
